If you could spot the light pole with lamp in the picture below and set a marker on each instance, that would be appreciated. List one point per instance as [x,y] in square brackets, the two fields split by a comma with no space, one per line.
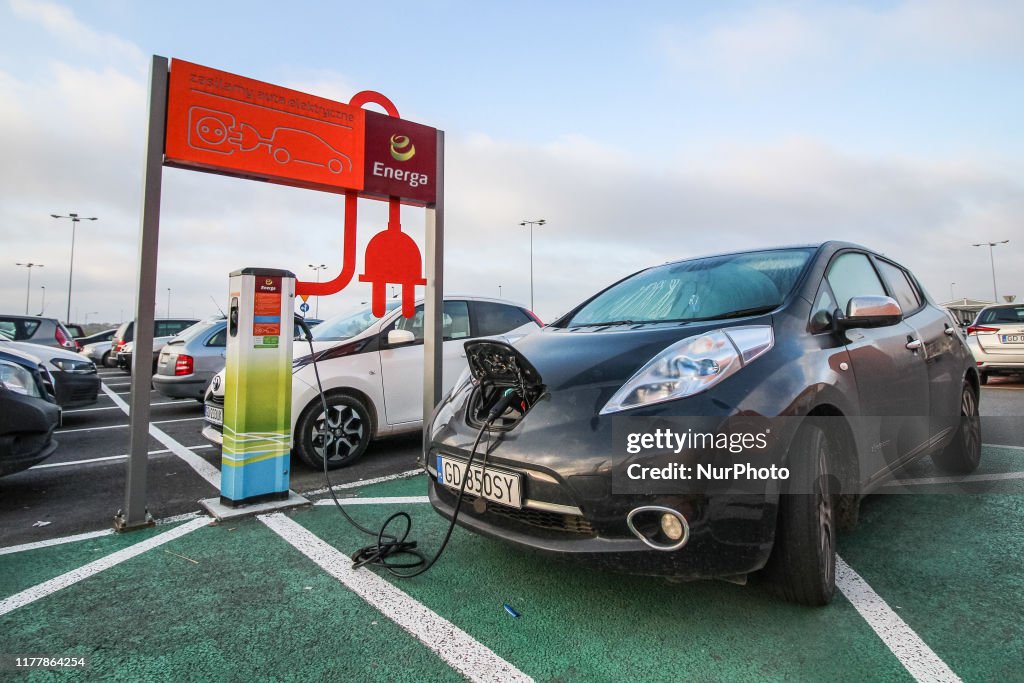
[28,286]
[75,219]
[531,224]
[317,269]
[992,259]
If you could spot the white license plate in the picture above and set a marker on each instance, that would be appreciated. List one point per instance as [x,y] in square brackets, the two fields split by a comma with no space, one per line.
[214,414]
[498,486]
[1012,338]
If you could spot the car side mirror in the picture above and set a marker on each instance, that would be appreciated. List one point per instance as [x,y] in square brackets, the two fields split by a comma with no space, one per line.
[399,337]
[869,311]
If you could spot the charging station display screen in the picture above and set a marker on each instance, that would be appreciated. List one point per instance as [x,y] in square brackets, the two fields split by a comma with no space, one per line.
[266,315]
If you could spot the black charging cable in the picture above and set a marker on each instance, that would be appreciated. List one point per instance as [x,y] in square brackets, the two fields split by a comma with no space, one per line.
[389,545]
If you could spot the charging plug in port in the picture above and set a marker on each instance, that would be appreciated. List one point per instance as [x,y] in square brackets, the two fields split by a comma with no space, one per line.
[507,385]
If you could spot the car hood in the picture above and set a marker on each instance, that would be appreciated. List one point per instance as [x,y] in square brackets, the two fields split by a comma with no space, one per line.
[568,358]
[43,353]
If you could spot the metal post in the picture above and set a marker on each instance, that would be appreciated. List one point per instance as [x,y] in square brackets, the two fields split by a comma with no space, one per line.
[135,514]
[433,303]
[992,260]
[28,285]
[71,268]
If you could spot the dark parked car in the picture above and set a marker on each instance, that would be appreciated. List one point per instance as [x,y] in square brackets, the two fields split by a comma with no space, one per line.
[163,330]
[104,336]
[74,377]
[830,362]
[37,330]
[28,412]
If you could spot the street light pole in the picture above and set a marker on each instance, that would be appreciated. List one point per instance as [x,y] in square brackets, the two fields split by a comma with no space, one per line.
[28,286]
[951,295]
[317,269]
[168,302]
[531,224]
[992,259]
[42,302]
[75,218]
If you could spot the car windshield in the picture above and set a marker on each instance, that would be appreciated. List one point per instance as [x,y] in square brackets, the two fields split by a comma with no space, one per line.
[700,289]
[348,325]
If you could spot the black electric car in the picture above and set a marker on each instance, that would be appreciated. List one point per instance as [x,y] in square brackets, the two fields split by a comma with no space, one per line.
[829,362]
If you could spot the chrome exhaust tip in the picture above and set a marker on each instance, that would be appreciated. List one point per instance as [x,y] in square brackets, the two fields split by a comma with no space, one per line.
[659,527]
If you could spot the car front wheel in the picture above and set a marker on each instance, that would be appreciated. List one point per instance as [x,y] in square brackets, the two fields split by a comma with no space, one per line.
[341,437]
[802,566]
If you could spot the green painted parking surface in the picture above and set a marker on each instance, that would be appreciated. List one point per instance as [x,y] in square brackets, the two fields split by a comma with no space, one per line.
[578,624]
[950,566]
[252,609]
[22,570]
[237,602]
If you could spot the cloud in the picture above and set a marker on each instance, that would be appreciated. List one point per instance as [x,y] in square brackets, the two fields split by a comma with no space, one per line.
[60,21]
[761,45]
[610,209]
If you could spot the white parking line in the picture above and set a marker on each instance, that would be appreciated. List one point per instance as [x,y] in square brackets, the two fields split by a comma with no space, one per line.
[204,469]
[30,595]
[87,535]
[92,410]
[364,482]
[124,426]
[458,649]
[916,657]
[397,500]
[108,458]
[965,479]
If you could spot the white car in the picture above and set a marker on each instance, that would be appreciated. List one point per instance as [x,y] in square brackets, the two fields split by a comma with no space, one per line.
[371,370]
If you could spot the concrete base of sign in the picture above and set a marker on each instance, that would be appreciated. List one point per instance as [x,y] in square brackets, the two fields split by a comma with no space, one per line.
[222,512]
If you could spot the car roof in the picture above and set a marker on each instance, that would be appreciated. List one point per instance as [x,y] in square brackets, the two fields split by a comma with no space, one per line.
[829,245]
[25,317]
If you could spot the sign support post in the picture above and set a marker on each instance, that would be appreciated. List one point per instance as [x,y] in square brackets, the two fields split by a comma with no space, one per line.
[135,514]
[433,304]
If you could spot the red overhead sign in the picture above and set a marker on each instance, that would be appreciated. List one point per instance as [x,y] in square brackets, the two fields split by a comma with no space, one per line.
[224,123]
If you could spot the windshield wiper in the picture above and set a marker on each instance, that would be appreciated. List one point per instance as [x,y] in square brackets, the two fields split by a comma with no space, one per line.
[611,323]
[738,313]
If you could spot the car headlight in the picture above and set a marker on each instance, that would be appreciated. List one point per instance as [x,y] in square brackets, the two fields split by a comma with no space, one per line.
[78,367]
[19,380]
[691,366]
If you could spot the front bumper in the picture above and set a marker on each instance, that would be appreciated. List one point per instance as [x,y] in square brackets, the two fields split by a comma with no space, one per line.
[74,390]
[565,455]
[26,433]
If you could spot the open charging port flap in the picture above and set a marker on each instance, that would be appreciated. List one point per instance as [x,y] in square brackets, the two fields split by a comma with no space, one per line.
[507,384]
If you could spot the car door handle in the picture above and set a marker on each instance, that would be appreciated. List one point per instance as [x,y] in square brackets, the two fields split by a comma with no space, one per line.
[914,344]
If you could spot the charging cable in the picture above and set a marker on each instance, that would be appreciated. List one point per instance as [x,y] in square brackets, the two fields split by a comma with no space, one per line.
[389,545]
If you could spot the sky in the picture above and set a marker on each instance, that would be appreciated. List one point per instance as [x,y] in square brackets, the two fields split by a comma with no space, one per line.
[640,132]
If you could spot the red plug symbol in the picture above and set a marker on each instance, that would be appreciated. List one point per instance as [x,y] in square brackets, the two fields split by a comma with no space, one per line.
[392,257]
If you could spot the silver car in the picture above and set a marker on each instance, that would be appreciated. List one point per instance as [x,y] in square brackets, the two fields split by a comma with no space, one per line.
[99,353]
[996,338]
[188,361]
